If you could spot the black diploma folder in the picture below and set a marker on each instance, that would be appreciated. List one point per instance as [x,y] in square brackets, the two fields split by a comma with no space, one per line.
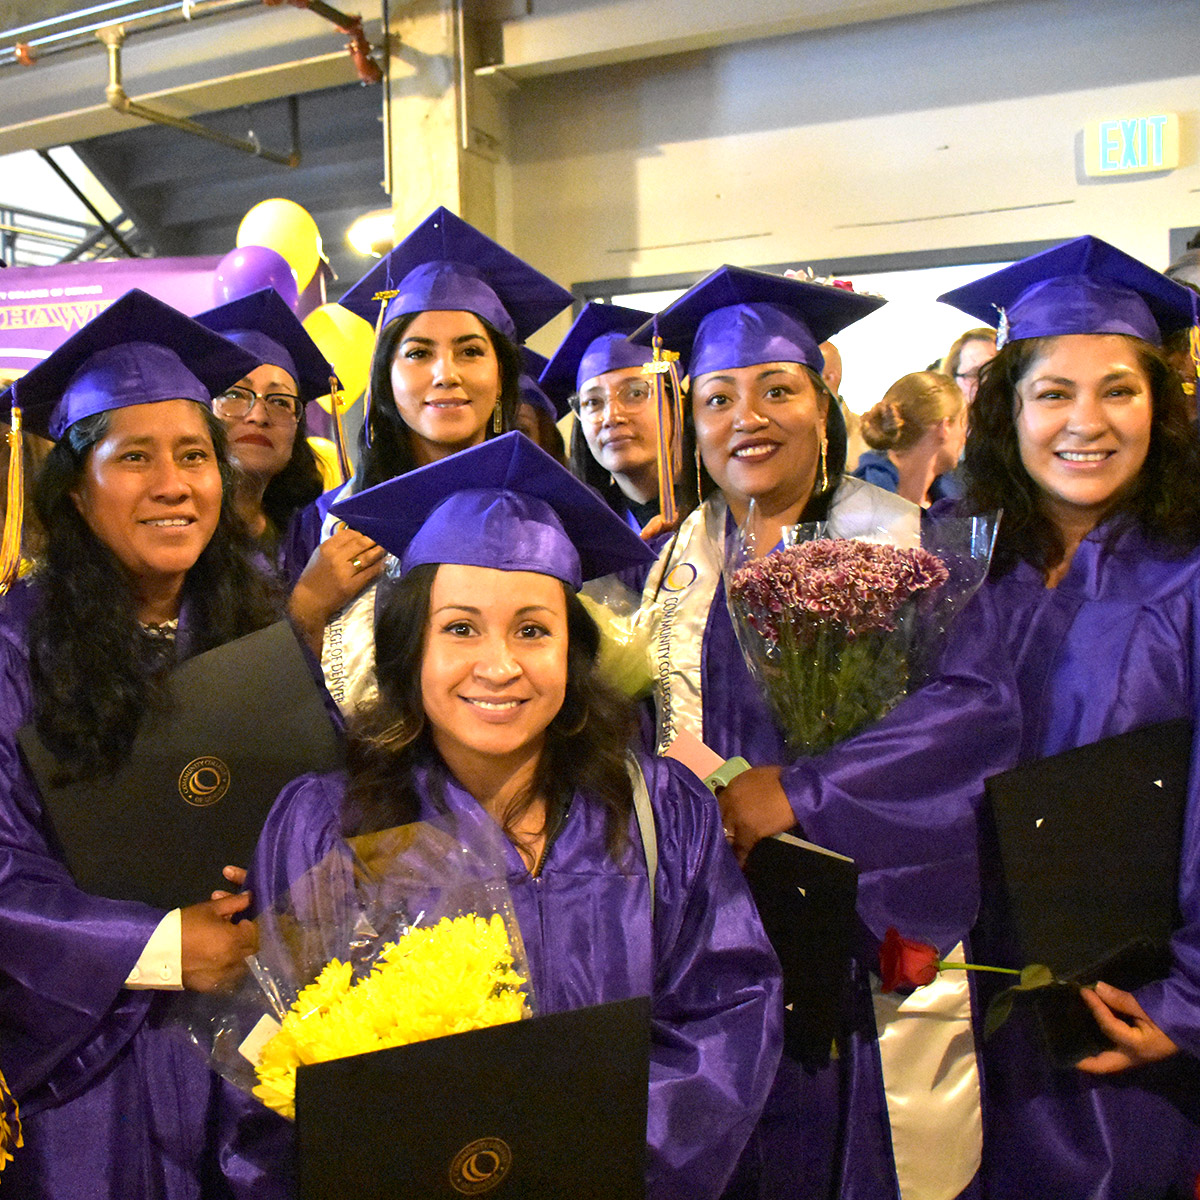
[805,897]
[540,1109]
[1089,846]
[241,722]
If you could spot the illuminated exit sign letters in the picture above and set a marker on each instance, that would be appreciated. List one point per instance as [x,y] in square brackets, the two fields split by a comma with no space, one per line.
[1132,145]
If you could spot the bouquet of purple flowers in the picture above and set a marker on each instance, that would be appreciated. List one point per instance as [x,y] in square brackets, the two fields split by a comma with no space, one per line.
[837,629]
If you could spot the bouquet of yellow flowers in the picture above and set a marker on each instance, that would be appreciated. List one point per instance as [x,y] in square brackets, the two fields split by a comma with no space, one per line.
[10,1124]
[394,938]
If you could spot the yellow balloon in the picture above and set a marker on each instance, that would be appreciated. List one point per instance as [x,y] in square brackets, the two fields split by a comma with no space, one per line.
[347,341]
[285,227]
[327,459]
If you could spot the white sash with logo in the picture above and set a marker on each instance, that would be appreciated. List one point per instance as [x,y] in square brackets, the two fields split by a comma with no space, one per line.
[348,647]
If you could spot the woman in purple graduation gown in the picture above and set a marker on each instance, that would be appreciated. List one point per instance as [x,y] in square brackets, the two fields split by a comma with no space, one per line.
[264,413]
[489,710]
[144,565]
[451,306]
[1079,430]
[614,441]
[768,431]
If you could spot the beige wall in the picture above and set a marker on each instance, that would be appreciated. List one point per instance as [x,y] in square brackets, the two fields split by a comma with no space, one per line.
[865,140]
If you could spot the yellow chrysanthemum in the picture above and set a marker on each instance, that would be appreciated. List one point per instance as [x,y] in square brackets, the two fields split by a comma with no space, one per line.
[455,976]
[10,1124]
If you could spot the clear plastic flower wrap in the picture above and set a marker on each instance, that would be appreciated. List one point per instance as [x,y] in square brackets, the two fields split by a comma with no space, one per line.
[394,937]
[836,630]
[624,634]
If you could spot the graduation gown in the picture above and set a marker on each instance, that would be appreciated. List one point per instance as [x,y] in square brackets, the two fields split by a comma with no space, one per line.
[585,922]
[1113,647]
[114,1104]
[900,799]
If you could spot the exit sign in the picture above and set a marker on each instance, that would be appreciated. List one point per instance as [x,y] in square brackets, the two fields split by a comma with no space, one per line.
[1132,145]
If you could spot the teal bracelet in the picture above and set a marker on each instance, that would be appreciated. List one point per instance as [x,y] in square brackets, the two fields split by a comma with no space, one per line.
[725,774]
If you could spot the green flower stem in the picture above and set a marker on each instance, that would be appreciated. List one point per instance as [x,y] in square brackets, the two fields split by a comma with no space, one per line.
[945,965]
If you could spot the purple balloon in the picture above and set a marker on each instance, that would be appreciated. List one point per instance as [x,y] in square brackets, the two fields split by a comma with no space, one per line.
[249,268]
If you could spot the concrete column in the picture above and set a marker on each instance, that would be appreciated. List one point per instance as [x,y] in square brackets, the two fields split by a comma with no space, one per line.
[445,128]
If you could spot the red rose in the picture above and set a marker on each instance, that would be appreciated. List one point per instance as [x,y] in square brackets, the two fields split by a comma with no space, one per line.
[905,964]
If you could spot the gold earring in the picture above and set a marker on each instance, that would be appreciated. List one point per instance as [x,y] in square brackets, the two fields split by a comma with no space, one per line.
[497,418]
[822,456]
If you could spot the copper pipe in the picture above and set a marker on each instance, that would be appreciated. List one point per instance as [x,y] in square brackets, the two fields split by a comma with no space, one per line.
[113,37]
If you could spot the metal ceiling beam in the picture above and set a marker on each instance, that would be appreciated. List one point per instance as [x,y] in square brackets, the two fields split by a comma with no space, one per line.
[249,56]
[550,42]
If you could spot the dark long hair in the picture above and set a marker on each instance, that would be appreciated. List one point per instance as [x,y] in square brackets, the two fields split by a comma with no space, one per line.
[390,739]
[94,679]
[298,484]
[817,508]
[1164,500]
[389,452]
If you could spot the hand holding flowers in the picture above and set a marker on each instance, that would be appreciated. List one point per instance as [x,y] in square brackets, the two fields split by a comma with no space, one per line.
[836,629]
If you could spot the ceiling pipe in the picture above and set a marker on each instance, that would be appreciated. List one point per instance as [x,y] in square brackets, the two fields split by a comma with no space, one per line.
[113,37]
[358,47]
[28,51]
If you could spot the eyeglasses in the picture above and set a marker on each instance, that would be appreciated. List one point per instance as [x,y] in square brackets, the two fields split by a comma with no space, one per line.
[238,401]
[632,397]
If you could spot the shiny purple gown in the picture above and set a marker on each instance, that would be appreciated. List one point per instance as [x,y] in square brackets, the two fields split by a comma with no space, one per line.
[585,922]
[1115,646]
[900,799]
[114,1104]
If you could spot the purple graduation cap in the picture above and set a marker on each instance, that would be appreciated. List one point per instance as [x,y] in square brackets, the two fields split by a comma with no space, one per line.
[446,265]
[504,504]
[1083,286]
[735,317]
[597,343]
[531,393]
[137,351]
[263,325]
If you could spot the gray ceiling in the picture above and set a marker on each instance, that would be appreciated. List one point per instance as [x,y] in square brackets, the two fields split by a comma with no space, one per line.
[187,196]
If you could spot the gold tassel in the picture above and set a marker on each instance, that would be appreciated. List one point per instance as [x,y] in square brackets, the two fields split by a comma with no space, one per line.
[669,449]
[14,515]
[339,432]
[1189,385]
[383,298]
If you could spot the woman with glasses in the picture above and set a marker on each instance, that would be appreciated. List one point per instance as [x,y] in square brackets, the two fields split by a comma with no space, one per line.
[264,413]
[969,354]
[614,443]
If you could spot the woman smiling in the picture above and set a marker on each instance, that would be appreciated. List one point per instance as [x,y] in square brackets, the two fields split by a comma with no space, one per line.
[615,439]
[491,717]
[771,439]
[451,306]
[1080,428]
[145,565]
